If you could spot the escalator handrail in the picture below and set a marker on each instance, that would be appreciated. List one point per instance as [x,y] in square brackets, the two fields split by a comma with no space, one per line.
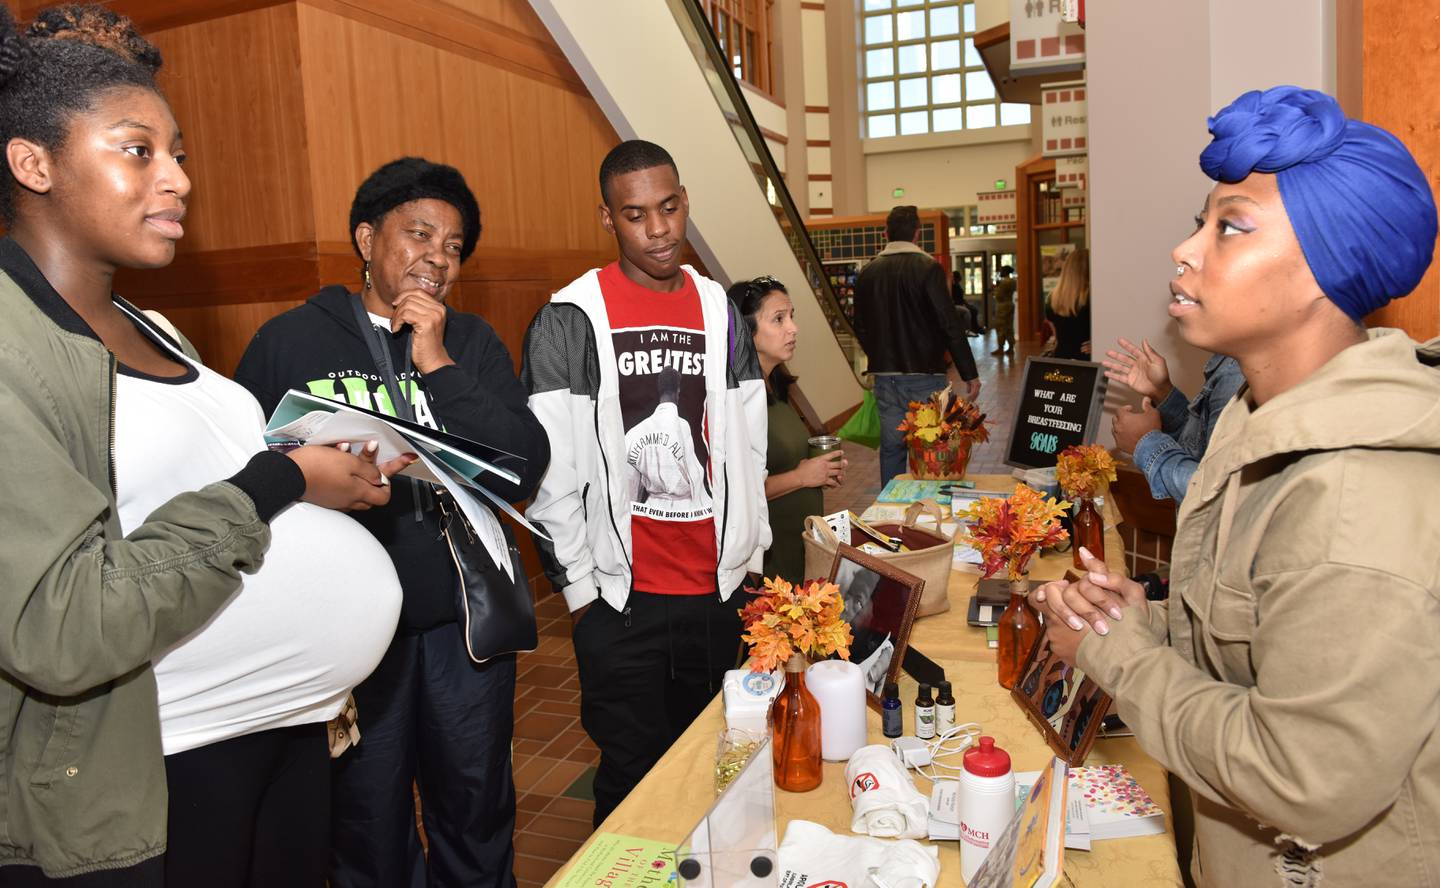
[690,12]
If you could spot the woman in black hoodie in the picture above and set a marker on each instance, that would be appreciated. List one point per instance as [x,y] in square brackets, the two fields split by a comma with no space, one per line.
[427,713]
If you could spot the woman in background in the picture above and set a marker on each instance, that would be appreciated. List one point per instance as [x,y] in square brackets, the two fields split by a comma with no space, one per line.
[1069,307]
[796,482]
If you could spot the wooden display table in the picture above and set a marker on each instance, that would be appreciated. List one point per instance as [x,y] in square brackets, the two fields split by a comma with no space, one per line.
[679,789]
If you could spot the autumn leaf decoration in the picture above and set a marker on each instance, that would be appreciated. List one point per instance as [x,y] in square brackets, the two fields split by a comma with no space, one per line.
[1007,532]
[785,619]
[944,417]
[1084,470]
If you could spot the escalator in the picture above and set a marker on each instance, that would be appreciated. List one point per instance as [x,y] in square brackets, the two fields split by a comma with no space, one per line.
[657,72]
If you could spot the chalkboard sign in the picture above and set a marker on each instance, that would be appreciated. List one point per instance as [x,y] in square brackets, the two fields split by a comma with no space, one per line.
[1059,406]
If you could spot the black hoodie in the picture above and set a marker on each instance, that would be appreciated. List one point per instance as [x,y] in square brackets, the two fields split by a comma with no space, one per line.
[317,348]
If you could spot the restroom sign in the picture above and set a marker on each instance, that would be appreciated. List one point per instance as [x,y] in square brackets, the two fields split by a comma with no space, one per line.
[1063,119]
[1041,39]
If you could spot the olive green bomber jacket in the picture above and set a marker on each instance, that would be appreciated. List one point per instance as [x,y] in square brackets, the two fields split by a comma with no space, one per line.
[83,609]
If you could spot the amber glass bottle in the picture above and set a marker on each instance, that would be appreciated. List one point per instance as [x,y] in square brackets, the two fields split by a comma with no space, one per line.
[1089,532]
[795,732]
[1018,630]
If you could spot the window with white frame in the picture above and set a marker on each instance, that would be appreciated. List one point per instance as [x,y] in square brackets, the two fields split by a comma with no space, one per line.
[922,72]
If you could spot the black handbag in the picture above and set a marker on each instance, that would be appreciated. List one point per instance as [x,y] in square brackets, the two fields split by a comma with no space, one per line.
[497,613]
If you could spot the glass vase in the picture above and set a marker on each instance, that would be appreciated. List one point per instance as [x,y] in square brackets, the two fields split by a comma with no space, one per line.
[795,732]
[1089,532]
[1019,629]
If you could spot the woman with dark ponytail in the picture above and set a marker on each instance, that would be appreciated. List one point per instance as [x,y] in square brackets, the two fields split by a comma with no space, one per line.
[795,484]
[139,506]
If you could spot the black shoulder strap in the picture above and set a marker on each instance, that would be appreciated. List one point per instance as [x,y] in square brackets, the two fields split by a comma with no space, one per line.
[380,354]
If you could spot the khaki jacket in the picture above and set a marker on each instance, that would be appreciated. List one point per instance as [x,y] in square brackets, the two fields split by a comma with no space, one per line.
[83,608]
[1293,681]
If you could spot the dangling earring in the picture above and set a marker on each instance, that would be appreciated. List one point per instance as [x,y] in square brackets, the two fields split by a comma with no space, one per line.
[367,276]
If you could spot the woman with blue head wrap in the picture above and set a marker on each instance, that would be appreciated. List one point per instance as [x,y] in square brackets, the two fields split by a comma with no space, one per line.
[1291,680]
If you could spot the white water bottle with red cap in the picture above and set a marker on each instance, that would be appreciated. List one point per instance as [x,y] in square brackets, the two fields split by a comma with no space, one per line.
[987,803]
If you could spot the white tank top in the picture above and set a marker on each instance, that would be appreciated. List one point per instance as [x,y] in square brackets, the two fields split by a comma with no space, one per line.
[303,630]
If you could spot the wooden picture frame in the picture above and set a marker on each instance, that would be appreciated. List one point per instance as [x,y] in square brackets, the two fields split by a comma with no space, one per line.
[1064,703]
[879,610]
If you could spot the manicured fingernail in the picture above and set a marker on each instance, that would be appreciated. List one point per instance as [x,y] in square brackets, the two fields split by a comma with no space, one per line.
[372,446]
[1039,594]
[1097,577]
[1085,553]
[1114,612]
[1075,623]
[344,446]
[384,482]
[1102,627]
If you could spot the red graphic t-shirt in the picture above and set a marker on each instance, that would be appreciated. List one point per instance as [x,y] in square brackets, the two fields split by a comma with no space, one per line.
[660,352]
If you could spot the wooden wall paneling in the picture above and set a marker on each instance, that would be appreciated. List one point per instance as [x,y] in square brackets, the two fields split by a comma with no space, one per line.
[519,17]
[450,27]
[508,306]
[214,277]
[603,139]
[583,228]
[334,118]
[233,84]
[221,332]
[156,15]
[1402,94]
[538,131]
[481,137]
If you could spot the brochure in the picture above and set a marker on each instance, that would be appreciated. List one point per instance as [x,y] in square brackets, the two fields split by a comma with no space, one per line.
[620,861]
[302,417]
[450,461]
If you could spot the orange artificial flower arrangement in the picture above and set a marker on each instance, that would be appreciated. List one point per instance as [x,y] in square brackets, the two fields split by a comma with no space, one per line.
[1007,532]
[939,433]
[1084,470]
[785,619]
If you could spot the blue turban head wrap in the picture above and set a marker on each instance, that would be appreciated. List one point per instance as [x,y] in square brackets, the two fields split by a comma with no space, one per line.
[1360,206]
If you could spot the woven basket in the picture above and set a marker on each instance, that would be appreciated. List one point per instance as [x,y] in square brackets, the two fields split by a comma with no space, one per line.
[931,556]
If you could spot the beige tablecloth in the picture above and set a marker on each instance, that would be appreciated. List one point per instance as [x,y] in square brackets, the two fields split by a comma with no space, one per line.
[677,792]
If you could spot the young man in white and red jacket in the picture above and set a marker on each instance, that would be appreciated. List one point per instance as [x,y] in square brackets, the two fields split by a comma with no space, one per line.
[638,371]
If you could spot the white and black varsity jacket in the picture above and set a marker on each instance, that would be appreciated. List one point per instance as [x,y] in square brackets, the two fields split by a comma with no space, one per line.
[575,393]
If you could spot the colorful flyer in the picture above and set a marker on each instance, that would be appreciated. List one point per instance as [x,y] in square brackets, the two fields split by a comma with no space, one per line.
[622,862]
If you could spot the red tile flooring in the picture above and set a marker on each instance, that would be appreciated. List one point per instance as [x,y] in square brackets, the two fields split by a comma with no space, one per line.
[552,751]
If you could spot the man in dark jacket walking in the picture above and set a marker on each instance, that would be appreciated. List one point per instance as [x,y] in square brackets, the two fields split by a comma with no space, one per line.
[906,324]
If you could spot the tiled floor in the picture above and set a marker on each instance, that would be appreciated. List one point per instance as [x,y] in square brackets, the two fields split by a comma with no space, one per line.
[553,755]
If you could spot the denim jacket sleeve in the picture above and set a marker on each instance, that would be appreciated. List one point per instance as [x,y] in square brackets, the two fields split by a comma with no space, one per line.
[1167,466]
[1170,456]
[1174,411]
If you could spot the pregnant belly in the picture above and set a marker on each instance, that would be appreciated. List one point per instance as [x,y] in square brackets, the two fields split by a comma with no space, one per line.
[287,648]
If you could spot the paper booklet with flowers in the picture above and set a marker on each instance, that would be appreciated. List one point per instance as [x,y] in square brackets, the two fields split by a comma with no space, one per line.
[1105,802]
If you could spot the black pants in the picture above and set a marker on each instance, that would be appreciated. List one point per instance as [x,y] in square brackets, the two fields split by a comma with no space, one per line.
[645,673]
[430,716]
[149,874]
[253,811]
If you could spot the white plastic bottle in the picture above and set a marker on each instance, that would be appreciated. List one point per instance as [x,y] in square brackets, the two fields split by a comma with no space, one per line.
[987,803]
